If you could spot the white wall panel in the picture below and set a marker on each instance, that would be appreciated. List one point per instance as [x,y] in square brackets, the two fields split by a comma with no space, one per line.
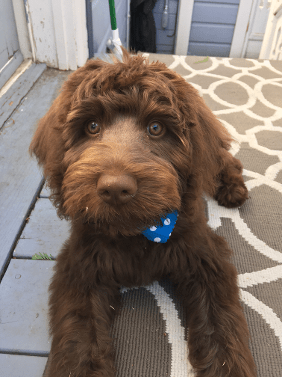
[58,32]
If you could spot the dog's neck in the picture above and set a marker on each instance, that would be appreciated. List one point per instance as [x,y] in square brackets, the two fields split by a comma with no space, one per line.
[161,233]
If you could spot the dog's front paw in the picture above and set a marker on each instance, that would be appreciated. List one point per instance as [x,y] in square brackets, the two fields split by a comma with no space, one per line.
[233,195]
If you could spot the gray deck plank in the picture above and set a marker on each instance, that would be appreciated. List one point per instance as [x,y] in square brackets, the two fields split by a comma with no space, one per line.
[11,99]
[20,177]
[24,306]
[44,232]
[45,192]
[22,366]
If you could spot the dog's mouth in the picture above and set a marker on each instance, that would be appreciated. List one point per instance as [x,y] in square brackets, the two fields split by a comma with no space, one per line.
[125,213]
[122,222]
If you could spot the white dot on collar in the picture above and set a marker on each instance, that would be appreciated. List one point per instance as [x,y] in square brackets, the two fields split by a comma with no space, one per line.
[167,221]
[153,228]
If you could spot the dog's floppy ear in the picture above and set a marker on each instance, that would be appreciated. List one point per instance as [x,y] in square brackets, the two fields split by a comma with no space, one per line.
[211,142]
[48,144]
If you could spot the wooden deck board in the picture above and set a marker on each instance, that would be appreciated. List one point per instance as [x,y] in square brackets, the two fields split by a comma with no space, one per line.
[13,96]
[20,178]
[44,232]
[24,307]
[45,192]
[21,365]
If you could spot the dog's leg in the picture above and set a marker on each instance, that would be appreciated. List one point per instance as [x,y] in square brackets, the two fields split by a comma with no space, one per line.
[217,329]
[231,191]
[81,345]
[81,315]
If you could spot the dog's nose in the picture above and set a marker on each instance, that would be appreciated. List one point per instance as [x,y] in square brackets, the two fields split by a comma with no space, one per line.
[116,190]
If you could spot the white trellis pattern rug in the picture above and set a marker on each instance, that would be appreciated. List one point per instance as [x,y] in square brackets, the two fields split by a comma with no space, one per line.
[247,96]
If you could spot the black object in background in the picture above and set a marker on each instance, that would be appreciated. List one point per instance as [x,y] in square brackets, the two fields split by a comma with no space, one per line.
[142,26]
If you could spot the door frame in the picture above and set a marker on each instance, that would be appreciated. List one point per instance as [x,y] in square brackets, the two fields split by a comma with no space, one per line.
[12,56]
[184,21]
[241,28]
[53,31]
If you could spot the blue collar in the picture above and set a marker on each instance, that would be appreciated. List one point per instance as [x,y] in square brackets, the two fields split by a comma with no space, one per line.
[161,233]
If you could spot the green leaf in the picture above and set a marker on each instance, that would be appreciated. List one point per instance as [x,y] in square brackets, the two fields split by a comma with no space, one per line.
[202,61]
[41,256]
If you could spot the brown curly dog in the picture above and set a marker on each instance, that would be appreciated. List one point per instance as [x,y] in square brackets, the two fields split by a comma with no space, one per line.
[126,148]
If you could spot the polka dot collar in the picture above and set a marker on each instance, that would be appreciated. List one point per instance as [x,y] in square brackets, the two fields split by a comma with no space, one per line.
[162,232]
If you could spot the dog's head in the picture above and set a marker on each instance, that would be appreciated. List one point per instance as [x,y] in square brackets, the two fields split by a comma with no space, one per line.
[124,142]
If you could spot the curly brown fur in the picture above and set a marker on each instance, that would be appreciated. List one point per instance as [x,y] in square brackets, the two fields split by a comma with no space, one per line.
[116,181]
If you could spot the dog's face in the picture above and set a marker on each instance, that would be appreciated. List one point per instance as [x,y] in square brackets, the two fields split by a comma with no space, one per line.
[120,144]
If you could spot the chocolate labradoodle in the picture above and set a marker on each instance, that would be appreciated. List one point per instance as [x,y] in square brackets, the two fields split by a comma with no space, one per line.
[128,149]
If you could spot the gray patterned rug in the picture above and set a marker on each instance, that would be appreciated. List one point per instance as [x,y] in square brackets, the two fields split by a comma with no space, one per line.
[247,96]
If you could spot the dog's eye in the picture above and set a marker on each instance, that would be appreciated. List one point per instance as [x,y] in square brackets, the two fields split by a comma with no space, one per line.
[93,128]
[156,129]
